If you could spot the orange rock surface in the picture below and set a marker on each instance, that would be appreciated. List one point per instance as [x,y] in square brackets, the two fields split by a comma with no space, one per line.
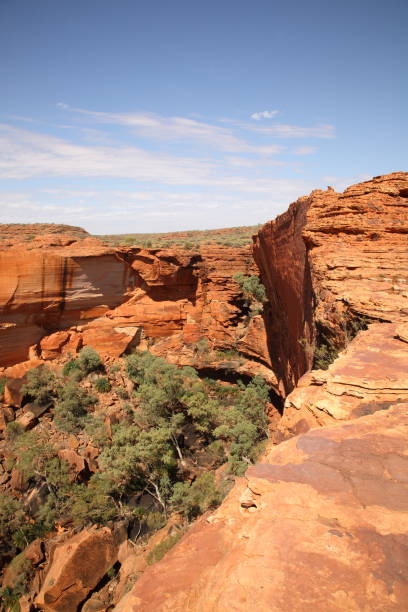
[76,567]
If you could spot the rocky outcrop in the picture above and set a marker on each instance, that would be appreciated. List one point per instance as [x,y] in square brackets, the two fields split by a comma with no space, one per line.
[57,299]
[368,376]
[330,260]
[320,524]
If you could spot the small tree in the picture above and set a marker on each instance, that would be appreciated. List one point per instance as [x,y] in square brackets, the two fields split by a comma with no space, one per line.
[196,498]
[102,385]
[253,292]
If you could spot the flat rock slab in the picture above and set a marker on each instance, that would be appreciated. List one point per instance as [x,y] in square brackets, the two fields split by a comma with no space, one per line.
[321,524]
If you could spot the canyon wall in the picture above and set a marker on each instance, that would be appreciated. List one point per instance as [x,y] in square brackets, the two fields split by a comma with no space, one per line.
[60,293]
[333,259]
[321,522]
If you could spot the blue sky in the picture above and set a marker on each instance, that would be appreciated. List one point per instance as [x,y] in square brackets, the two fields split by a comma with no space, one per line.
[128,116]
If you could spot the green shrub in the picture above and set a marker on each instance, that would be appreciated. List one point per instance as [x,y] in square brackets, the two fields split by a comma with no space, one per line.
[13,430]
[72,406]
[71,367]
[253,292]
[41,385]
[102,385]
[9,597]
[122,393]
[196,498]
[115,367]
[89,360]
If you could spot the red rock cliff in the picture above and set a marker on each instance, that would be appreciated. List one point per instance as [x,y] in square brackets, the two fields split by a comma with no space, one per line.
[330,257]
[161,299]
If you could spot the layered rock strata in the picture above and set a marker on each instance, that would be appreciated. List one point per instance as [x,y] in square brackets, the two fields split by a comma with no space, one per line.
[370,375]
[330,259]
[165,300]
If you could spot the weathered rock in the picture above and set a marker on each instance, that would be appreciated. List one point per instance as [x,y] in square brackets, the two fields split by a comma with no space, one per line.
[44,289]
[347,250]
[77,465]
[368,376]
[76,567]
[6,416]
[86,294]
[17,480]
[16,379]
[321,524]
[51,345]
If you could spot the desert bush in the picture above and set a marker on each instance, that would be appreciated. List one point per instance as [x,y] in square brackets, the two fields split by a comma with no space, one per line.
[41,385]
[73,367]
[72,407]
[102,385]
[194,499]
[89,360]
[251,287]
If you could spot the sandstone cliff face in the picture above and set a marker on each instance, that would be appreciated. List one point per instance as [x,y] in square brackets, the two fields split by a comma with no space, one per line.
[45,289]
[331,257]
[83,293]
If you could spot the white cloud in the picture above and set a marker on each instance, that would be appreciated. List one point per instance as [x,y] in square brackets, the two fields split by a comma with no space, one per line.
[264,115]
[304,150]
[158,127]
[26,154]
[283,130]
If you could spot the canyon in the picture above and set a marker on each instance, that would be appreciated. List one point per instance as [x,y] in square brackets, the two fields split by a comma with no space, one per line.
[321,519]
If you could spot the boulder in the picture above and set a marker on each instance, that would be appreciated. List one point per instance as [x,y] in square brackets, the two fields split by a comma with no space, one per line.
[76,567]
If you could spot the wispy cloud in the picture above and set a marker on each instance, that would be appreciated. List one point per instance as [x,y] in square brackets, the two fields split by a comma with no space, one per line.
[159,127]
[25,154]
[305,150]
[283,130]
[115,172]
[264,115]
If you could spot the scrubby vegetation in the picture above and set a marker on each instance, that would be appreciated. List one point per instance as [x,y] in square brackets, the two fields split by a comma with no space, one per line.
[189,240]
[253,292]
[328,345]
[175,430]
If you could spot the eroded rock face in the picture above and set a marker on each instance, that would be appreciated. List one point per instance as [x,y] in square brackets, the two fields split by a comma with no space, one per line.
[46,289]
[321,524]
[346,254]
[161,299]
